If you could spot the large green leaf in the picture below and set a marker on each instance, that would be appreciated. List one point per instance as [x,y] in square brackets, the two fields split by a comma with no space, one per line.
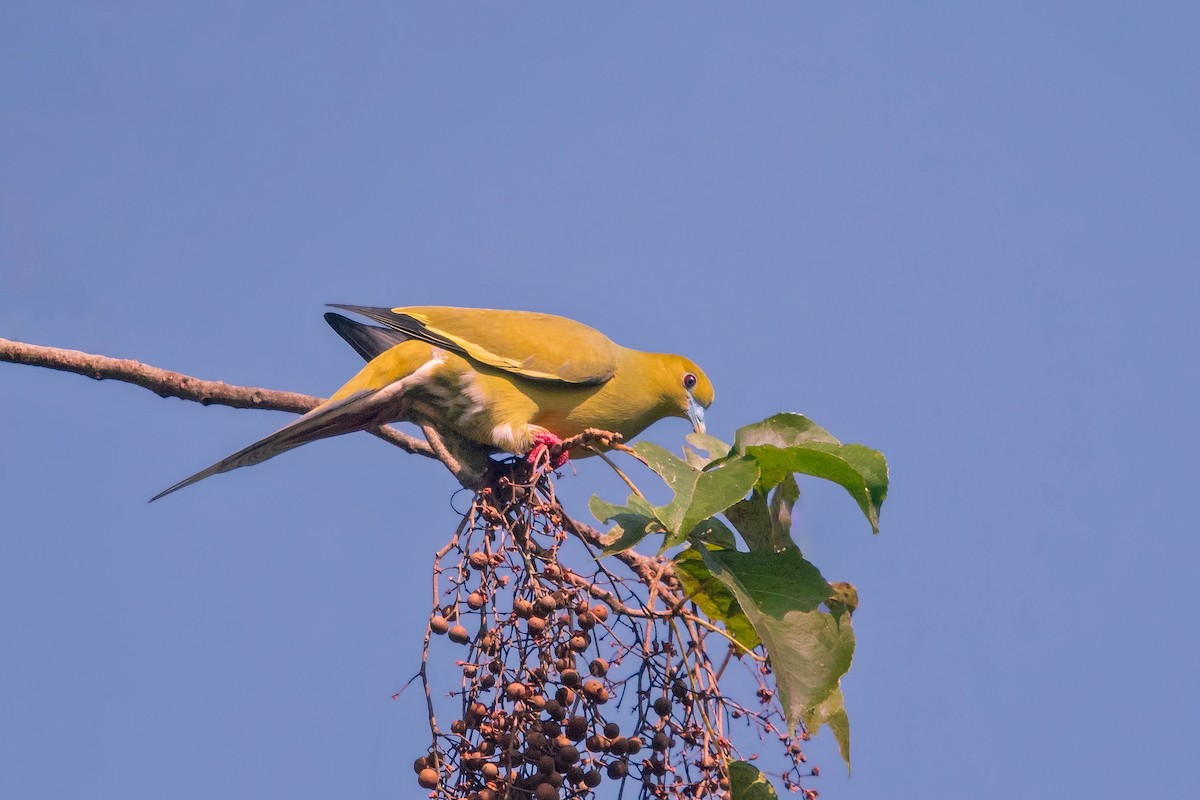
[780,593]
[698,494]
[790,443]
[860,470]
[776,583]
[782,430]
[746,782]
[713,597]
[832,712]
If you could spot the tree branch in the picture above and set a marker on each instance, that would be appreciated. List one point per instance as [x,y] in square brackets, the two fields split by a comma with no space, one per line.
[165,383]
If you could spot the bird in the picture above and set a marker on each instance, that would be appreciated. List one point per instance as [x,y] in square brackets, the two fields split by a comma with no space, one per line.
[504,381]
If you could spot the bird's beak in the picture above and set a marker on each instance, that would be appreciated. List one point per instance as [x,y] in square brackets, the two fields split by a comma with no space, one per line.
[696,414]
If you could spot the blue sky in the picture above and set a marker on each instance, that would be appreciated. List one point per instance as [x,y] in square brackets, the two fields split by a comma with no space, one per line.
[962,234]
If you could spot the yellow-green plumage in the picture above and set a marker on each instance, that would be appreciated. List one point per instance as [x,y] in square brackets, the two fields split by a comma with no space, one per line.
[504,380]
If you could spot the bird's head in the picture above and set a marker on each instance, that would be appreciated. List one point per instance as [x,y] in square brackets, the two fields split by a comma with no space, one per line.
[689,390]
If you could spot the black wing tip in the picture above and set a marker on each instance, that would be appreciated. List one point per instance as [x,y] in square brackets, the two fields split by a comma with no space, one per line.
[403,323]
[368,341]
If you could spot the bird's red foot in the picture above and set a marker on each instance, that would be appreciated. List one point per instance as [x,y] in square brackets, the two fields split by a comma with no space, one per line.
[543,442]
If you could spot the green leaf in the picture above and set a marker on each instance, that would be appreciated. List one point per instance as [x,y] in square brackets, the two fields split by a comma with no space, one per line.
[860,470]
[746,782]
[779,593]
[634,521]
[713,531]
[752,519]
[716,490]
[704,443]
[782,430]
[832,712]
[775,583]
[766,528]
[783,499]
[698,494]
[674,471]
[713,597]
[788,443]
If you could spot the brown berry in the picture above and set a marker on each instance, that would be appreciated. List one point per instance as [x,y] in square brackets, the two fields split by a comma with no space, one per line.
[515,691]
[612,730]
[569,677]
[459,635]
[594,690]
[600,612]
[479,559]
[522,608]
[439,625]
[592,779]
[599,667]
[475,600]
[617,770]
[577,728]
[661,741]
[428,778]
[567,755]
[546,791]
[662,707]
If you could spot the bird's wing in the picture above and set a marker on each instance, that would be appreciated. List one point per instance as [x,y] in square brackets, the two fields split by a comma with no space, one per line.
[538,346]
[367,340]
[330,419]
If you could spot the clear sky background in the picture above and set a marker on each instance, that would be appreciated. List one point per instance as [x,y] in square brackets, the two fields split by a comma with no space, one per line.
[964,234]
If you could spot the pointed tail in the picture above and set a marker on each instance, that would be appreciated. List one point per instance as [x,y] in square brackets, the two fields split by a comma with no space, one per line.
[336,417]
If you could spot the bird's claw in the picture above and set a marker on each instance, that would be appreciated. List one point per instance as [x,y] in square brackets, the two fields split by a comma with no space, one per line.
[542,445]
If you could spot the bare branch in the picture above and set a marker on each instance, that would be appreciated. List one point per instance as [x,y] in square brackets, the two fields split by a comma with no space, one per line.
[165,383]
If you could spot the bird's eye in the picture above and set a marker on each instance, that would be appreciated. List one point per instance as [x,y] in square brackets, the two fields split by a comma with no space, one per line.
[689,380]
